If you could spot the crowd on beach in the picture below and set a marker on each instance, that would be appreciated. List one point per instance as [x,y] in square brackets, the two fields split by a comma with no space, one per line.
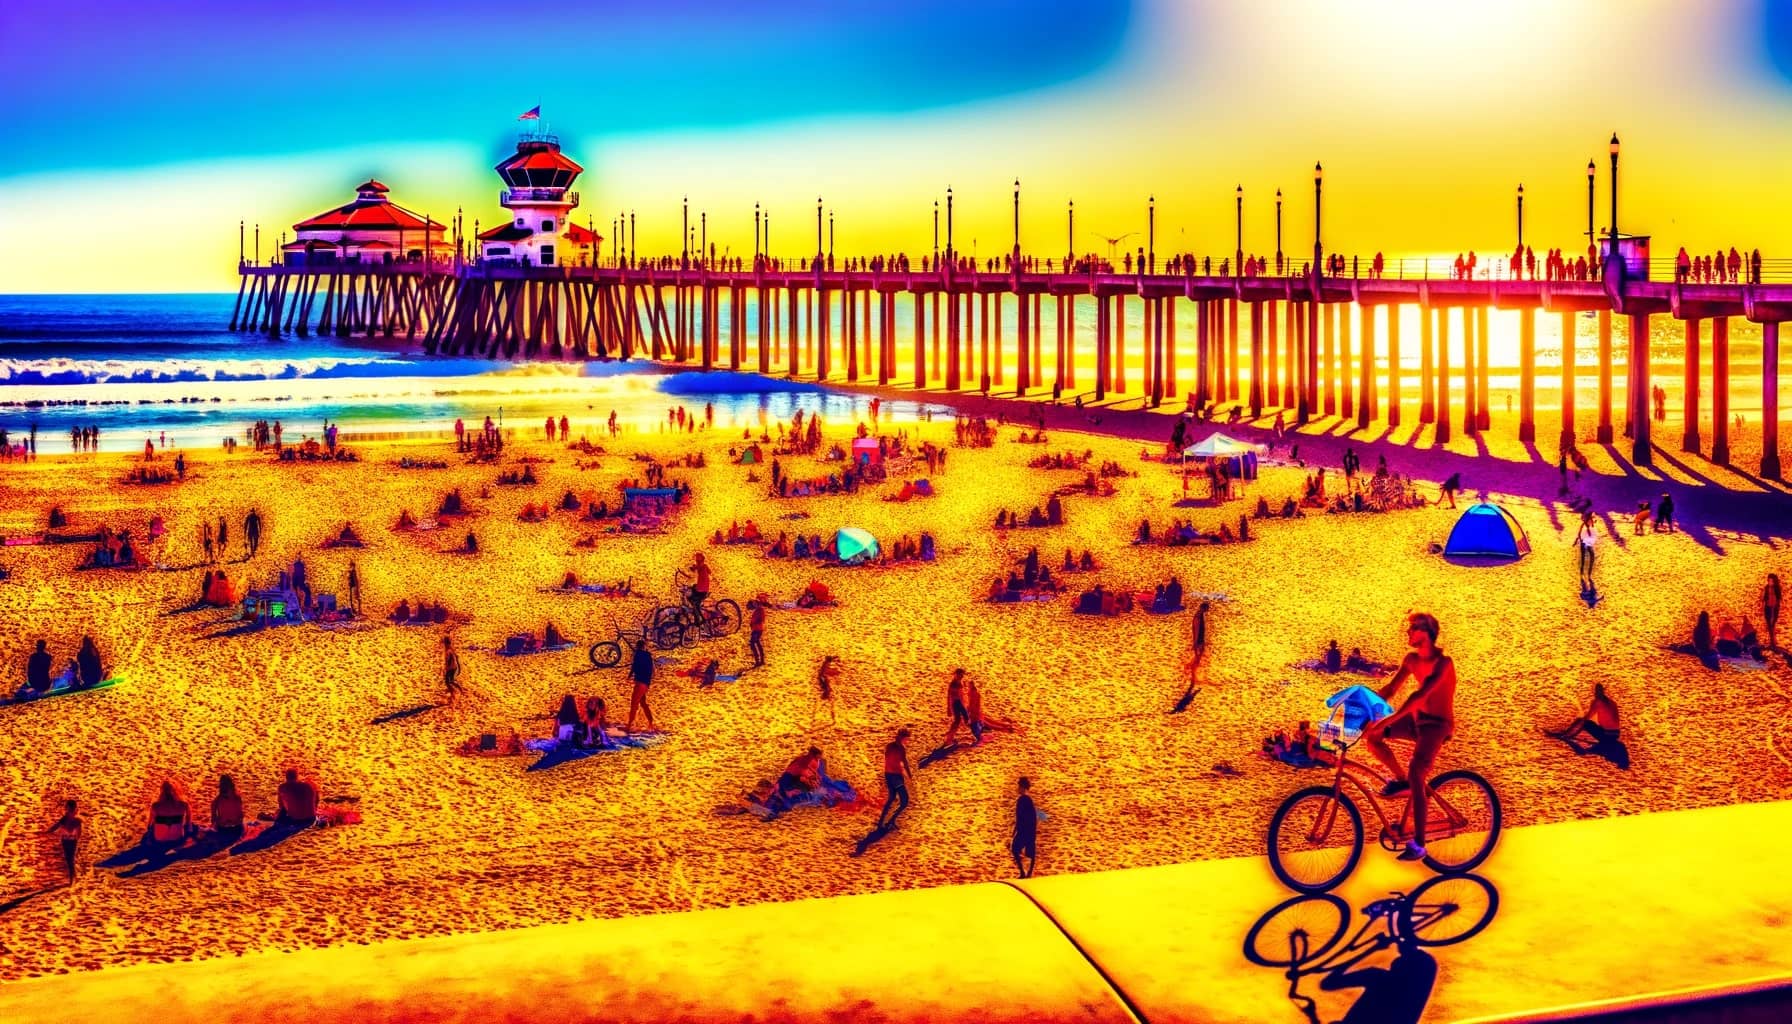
[581,723]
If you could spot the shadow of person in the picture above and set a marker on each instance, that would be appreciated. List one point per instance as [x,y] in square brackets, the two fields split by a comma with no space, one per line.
[1304,937]
[20,900]
[208,844]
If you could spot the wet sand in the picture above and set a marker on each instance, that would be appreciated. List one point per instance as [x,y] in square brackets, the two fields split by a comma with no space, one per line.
[456,844]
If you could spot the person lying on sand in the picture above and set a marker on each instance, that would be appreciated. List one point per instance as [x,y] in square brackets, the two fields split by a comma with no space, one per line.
[958,712]
[816,595]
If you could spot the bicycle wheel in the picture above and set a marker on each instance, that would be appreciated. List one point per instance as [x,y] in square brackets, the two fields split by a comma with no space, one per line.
[669,634]
[606,654]
[724,618]
[1315,839]
[1449,909]
[1298,931]
[1462,824]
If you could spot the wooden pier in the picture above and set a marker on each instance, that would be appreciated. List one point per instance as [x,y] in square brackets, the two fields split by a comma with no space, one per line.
[671,312]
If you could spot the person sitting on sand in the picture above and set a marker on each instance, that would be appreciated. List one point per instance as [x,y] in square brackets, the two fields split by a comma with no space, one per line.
[1701,636]
[37,671]
[597,723]
[401,614]
[1036,518]
[569,727]
[471,545]
[1334,658]
[980,722]
[1144,535]
[801,548]
[927,551]
[227,812]
[800,775]
[1600,725]
[1357,663]
[405,521]
[1069,561]
[1289,509]
[550,637]
[998,591]
[1262,508]
[88,671]
[297,802]
[170,822]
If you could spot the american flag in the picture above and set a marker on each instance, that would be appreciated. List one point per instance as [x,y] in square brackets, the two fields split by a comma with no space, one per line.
[532,114]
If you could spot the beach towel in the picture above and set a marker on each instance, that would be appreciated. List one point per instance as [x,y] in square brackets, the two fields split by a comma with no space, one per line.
[61,690]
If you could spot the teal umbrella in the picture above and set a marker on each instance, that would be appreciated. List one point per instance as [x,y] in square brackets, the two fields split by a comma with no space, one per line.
[855,545]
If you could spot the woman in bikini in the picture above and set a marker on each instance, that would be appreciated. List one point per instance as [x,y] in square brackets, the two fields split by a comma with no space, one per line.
[1427,719]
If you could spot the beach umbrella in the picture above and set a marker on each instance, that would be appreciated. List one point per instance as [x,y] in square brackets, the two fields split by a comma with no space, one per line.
[855,545]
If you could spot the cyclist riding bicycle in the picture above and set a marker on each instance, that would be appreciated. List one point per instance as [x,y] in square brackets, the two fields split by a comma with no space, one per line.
[700,589]
[1427,718]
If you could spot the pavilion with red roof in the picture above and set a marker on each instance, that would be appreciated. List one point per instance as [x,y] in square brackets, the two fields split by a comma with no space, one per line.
[370,229]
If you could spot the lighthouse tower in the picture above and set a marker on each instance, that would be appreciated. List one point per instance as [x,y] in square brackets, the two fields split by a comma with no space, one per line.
[538,195]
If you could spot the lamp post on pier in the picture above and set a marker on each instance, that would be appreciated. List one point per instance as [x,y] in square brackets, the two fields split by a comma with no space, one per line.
[1614,233]
[1015,259]
[951,257]
[755,236]
[1070,233]
[1521,216]
[703,238]
[633,236]
[1318,175]
[258,245]
[1592,240]
[1150,232]
[830,239]
[1238,235]
[818,248]
[239,243]
[685,234]
[1278,231]
[936,234]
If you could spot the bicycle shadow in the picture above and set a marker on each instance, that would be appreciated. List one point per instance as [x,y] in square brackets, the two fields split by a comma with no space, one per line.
[1392,970]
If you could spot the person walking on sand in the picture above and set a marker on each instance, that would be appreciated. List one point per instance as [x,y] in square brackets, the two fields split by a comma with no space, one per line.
[223,537]
[205,538]
[897,778]
[826,678]
[1197,659]
[450,669]
[1770,609]
[67,830]
[958,711]
[354,589]
[756,629]
[640,672]
[252,530]
[1025,841]
[1585,538]
[1451,486]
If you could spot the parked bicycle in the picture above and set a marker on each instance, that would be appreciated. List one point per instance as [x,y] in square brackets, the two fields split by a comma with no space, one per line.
[609,653]
[676,625]
[1301,936]
[1316,835]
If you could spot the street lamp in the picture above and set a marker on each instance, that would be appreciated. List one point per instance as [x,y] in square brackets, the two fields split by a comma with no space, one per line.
[1521,215]
[1016,261]
[1150,230]
[1614,235]
[1070,232]
[685,255]
[703,238]
[1278,231]
[756,223]
[950,258]
[1238,235]
[1591,240]
[818,230]
[1318,174]
[936,234]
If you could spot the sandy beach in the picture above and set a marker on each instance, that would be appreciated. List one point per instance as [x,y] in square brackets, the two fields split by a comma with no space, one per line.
[456,844]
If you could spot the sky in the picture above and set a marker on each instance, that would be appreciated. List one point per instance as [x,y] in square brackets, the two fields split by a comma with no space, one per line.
[137,136]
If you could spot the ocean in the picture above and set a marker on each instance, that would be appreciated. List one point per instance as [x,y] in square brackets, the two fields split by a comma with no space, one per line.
[144,365]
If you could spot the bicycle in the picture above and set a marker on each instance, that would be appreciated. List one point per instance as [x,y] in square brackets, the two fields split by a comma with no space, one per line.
[1313,847]
[608,653]
[676,625]
[1298,936]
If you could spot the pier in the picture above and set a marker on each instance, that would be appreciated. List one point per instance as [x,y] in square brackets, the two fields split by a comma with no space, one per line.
[1298,351]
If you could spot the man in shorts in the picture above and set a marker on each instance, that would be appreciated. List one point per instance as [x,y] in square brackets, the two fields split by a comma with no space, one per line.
[897,775]
[1427,719]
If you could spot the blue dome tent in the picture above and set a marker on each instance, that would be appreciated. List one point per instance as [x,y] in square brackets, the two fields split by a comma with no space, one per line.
[1486,530]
